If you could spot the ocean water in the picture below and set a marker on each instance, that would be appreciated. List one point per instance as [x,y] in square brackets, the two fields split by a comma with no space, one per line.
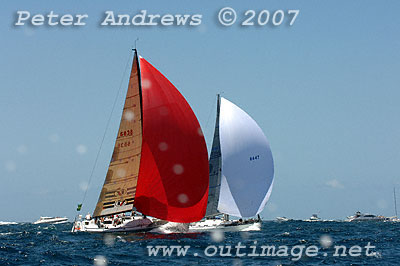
[28,244]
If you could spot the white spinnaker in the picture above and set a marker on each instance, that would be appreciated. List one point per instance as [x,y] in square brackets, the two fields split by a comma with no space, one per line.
[247,164]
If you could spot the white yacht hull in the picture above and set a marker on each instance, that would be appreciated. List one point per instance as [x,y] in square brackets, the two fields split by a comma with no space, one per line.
[360,217]
[128,224]
[283,219]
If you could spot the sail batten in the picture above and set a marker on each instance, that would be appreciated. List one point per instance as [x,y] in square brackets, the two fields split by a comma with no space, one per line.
[117,194]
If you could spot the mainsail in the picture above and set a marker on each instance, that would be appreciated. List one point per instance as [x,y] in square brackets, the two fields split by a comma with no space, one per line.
[247,168]
[159,164]
[118,192]
[173,176]
[215,170]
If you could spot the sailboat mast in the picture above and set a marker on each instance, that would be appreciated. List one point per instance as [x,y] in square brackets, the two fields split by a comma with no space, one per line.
[140,84]
[395,202]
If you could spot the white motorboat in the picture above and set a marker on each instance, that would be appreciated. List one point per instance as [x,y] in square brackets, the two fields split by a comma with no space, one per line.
[283,219]
[393,219]
[313,218]
[51,220]
[358,216]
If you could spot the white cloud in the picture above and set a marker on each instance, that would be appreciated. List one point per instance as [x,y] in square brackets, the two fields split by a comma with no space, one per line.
[334,183]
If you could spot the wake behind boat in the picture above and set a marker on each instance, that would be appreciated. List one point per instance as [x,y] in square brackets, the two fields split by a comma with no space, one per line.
[226,225]
[159,145]
[241,172]
[51,220]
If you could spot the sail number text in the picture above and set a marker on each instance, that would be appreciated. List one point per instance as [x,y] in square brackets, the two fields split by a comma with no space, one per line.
[125,133]
[253,158]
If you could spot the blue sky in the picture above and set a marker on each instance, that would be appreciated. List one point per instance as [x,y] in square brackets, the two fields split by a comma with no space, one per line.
[325,91]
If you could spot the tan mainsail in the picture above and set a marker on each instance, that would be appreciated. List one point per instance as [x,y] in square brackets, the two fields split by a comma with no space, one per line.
[119,188]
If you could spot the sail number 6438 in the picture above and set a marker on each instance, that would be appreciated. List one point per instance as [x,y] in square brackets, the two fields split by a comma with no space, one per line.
[262,18]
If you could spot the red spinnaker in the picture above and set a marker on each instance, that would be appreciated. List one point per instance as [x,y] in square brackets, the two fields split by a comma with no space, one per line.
[173,175]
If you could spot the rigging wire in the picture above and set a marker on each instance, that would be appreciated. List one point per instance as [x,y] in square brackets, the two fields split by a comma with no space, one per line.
[105,132]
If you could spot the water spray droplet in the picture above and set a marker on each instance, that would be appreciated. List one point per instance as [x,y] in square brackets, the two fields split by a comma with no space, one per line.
[244,235]
[164,111]
[22,149]
[100,261]
[325,241]
[178,169]
[83,185]
[183,198]
[146,84]
[11,166]
[121,172]
[163,146]
[81,149]
[54,138]
[237,262]
[129,115]
[217,235]
[109,240]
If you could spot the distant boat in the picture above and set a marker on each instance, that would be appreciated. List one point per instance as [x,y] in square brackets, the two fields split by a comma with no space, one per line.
[283,219]
[313,218]
[51,220]
[241,172]
[393,219]
[7,223]
[159,167]
[358,216]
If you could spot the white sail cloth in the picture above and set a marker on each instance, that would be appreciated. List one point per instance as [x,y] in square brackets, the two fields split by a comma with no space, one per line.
[247,163]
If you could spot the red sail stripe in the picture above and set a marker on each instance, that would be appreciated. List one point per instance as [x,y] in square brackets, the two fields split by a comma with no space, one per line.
[173,175]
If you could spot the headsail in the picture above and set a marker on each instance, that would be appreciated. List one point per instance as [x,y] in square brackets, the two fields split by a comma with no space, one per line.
[118,192]
[247,164]
[215,170]
[173,176]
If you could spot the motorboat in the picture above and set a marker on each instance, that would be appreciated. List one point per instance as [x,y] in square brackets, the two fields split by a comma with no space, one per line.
[358,216]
